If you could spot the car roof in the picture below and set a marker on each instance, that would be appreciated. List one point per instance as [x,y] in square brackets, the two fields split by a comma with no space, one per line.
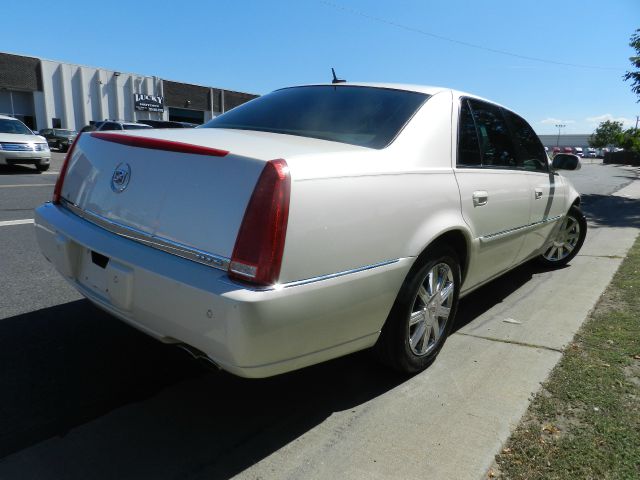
[7,117]
[428,89]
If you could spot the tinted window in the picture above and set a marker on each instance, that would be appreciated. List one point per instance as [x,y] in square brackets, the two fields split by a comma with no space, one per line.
[365,116]
[468,148]
[531,154]
[14,126]
[110,126]
[495,142]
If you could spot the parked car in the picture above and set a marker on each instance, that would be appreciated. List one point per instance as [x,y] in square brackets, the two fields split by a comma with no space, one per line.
[59,138]
[20,146]
[167,124]
[591,153]
[578,151]
[119,125]
[309,223]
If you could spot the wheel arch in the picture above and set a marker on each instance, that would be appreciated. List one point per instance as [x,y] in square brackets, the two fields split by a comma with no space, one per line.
[456,238]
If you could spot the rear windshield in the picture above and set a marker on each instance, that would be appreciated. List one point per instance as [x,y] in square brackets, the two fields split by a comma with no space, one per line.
[14,126]
[364,116]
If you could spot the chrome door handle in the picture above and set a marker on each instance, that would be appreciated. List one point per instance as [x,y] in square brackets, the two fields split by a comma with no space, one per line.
[480,198]
[538,193]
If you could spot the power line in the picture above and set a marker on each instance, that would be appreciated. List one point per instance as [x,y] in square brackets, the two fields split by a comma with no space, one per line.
[360,13]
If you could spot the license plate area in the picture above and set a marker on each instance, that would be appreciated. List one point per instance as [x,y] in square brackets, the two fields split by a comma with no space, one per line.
[106,278]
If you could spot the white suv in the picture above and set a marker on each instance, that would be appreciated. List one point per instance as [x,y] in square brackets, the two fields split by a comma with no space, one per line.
[19,145]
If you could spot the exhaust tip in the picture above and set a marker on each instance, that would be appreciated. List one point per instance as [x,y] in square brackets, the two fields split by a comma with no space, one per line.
[198,355]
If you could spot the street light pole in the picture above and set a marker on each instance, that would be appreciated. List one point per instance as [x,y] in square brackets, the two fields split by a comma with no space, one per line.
[559,126]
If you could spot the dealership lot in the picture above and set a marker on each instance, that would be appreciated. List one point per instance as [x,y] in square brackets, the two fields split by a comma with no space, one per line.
[87,396]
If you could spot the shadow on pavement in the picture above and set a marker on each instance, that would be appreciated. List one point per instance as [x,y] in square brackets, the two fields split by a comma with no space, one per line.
[67,365]
[17,170]
[611,211]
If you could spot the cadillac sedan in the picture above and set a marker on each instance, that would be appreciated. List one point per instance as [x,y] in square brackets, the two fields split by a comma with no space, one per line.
[309,223]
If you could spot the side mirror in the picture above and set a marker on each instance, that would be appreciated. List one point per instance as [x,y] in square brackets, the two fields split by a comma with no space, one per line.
[566,161]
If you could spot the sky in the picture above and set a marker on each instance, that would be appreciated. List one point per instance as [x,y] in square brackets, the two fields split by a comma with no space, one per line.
[551,61]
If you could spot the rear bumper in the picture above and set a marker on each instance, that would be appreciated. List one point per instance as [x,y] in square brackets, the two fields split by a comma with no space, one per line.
[251,333]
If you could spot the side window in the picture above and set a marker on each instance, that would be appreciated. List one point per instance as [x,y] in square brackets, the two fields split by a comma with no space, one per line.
[468,148]
[496,146]
[529,148]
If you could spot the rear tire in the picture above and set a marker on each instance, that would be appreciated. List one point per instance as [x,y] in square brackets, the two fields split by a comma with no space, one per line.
[423,313]
[568,241]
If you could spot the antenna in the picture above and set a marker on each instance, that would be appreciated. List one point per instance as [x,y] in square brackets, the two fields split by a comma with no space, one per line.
[336,79]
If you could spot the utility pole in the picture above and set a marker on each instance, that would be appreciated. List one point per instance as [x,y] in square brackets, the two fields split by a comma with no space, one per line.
[637,118]
[559,127]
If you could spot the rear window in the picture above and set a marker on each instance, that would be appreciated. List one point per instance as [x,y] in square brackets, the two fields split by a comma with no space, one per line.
[365,116]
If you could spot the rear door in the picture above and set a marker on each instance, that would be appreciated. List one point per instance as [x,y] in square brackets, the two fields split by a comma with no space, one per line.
[495,195]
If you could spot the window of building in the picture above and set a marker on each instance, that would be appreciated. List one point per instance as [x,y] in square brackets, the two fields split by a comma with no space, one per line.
[56,123]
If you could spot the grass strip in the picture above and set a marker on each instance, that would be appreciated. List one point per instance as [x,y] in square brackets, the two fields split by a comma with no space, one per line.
[585,421]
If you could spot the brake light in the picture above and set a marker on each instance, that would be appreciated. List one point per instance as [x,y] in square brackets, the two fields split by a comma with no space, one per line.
[257,254]
[57,190]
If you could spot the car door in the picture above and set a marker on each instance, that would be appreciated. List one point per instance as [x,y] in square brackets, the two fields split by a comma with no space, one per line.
[547,189]
[495,196]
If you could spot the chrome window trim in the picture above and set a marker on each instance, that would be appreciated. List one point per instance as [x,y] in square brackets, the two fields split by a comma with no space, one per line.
[190,253]
[512,231]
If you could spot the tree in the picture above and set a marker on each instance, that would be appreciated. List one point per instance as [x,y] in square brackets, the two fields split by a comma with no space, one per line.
[635,60]
[630,140]
[607,133]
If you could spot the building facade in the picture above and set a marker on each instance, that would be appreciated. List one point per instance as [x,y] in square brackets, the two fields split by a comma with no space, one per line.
[569,140]
[49,94]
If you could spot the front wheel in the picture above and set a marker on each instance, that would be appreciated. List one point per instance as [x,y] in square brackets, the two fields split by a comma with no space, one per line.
[423,313]
[568,240]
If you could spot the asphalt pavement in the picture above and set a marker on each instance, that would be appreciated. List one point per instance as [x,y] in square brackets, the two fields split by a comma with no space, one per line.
[86,396]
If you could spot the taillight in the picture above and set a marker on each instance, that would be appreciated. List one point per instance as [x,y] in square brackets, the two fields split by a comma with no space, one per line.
[57,190]
[257,254]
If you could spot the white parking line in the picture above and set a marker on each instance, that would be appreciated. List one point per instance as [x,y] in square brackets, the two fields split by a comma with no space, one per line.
[49,173]
[29,185]
[24,221]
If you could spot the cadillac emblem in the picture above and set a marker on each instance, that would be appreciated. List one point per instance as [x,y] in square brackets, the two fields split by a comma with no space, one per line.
[120,178]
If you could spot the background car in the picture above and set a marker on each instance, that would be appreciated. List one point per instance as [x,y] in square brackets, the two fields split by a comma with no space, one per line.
[59,138]
[167,124]
[19,145]
[119,125]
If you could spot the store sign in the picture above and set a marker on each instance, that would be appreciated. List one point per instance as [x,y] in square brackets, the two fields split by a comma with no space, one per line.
[149,103]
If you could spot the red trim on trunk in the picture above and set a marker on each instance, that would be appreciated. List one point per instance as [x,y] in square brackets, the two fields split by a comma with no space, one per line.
[159,144]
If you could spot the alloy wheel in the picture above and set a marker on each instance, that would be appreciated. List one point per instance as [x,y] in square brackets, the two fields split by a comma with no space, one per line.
[431,309]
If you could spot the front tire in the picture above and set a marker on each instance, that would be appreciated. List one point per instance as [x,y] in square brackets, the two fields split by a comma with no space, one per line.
[423,313]
[568,240]
[42,167]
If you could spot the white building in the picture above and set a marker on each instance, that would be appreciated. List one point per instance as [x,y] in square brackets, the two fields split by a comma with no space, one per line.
[49,94]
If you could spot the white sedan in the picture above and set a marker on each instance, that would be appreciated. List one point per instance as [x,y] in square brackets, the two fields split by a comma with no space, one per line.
[309,223]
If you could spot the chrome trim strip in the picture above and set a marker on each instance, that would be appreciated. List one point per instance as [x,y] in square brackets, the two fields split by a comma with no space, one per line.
[306,281]
[512,231]
[159,243]
[335,275]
